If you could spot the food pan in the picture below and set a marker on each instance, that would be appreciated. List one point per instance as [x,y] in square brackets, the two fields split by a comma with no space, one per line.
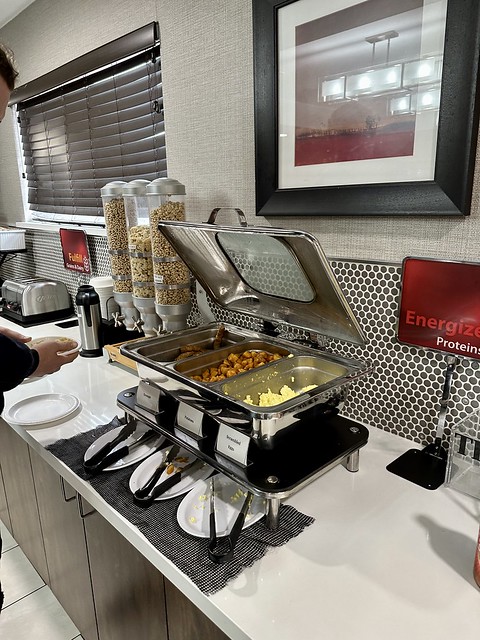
[168,348]
[197,365]
[330,374]
[224,400]
[275,276]
[296,373]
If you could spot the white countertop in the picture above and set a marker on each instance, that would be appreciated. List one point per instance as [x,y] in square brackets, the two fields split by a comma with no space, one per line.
[384,558]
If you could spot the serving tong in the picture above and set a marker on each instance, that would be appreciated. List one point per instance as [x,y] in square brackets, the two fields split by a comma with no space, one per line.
[108,455]
[221,549]
[170,482]
[123,434]
[144,495]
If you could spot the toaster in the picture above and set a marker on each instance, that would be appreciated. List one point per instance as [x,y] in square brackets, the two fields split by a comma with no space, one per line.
[35,301]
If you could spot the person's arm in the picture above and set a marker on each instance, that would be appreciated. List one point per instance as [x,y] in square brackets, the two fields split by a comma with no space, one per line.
[14,335]
[51,358]
[17,362]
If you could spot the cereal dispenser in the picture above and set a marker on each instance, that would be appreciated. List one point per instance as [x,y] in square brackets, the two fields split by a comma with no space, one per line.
[166,201]
[140,251]
[117,240]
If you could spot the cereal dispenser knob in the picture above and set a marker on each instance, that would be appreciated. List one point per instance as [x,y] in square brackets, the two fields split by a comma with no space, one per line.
[137,325]
[118,319]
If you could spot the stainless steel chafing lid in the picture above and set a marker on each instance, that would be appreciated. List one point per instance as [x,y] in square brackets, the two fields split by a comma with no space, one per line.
[278,275]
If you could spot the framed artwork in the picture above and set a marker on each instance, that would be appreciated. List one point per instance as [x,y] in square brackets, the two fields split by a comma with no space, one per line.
[365,107]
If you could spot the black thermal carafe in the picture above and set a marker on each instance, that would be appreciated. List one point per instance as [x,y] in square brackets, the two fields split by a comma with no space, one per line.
[89,321]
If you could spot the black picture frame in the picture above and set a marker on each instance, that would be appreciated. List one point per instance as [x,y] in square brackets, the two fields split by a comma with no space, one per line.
[448,194]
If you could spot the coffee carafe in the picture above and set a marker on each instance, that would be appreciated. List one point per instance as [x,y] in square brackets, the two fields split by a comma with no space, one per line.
[89,321]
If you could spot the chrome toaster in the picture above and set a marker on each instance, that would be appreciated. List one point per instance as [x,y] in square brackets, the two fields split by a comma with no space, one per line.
[35,300]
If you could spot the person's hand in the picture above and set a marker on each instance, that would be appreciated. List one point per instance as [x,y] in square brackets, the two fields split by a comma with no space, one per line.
[14,335]
[50,356]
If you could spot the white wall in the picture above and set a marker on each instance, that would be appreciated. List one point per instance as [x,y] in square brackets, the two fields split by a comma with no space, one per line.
[208,86]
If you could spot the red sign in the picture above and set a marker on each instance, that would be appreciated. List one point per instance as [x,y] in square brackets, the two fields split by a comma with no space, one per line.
[440,306]
[75,250]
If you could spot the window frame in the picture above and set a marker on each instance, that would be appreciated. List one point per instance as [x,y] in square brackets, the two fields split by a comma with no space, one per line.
[104,61]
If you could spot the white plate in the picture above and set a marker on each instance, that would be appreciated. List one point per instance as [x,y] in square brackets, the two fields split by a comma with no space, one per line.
[42,410]
[70,351]
[193,513]
[35,341]
[143,472]
[61,339]
[139,453]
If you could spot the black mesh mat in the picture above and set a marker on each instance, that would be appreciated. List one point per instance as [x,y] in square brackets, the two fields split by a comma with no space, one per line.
[159,523]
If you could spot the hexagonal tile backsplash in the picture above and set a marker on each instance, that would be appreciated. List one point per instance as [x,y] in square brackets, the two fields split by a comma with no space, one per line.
[403,393]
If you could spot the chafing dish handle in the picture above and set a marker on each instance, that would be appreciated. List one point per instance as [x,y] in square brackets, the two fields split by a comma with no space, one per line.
[241,216]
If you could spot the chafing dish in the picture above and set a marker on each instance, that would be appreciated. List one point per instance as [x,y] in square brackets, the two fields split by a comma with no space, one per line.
[282,279]
[299,367]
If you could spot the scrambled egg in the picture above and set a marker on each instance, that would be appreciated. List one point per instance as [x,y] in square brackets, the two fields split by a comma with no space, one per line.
[270,399]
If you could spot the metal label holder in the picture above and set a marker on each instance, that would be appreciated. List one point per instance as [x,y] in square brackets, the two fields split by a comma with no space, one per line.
[427,467]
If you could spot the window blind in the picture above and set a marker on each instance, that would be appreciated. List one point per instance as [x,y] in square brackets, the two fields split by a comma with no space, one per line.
[103,126]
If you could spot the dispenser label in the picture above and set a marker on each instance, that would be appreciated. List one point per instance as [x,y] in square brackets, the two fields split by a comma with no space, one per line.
[75,250]
[440,306]
[233,444]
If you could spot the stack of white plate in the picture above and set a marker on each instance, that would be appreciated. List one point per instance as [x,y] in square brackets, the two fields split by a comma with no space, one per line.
[43,410]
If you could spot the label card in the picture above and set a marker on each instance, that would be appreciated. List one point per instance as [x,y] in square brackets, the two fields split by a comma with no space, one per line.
[233,444]
[190,419]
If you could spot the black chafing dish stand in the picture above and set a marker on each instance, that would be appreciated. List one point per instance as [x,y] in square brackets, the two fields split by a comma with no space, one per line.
[273,474]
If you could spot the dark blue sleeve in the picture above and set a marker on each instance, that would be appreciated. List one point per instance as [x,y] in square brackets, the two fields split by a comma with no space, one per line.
[17,362]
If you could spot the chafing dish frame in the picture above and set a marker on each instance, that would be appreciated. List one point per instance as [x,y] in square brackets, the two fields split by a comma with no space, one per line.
[319,306]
